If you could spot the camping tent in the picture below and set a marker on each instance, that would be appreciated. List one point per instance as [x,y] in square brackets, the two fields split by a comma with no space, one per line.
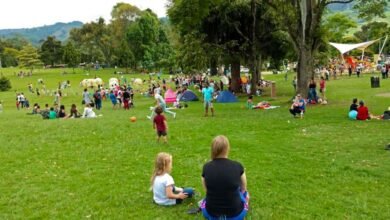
[226,96]
[189,95]
[170,96]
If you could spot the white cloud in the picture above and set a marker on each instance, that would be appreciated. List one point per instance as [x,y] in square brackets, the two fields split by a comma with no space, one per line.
[33,13]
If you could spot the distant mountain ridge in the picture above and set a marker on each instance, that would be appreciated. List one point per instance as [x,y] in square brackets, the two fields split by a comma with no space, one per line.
[35,35]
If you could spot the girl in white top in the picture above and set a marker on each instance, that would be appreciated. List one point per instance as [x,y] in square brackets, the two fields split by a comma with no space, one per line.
[164,190]
[88,112]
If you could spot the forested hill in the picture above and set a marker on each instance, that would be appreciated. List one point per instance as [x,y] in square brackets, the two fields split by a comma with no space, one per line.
[35,35]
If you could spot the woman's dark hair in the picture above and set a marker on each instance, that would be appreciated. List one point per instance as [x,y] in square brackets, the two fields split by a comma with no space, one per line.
[62,107]
[354,100]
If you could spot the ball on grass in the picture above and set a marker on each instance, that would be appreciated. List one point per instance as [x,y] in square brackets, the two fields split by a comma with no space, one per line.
[133,119]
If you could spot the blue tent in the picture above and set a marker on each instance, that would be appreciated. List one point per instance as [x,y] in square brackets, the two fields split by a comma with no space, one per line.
[189,96]
[226,96]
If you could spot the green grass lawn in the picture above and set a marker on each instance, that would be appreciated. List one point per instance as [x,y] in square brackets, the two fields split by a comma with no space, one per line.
[324,166]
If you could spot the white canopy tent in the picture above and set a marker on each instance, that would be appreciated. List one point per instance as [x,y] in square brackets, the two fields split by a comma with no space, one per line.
[343,48]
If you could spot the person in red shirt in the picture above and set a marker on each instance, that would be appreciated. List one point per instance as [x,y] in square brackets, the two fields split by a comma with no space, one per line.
[160,124]
[322,88]
[362,112]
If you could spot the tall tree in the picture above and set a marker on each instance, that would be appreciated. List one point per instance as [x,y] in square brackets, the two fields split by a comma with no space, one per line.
[337,26]
[71,55]
[240,30]
[94,42]
[29,58]
[51,51]
[302,20]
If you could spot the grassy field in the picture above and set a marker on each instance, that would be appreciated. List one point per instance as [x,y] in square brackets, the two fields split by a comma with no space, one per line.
[324,166]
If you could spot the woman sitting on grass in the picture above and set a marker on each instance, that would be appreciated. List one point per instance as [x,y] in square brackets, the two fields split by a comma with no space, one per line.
[74,113]
[164,190]
[88,111]
[224,181]
[61,112]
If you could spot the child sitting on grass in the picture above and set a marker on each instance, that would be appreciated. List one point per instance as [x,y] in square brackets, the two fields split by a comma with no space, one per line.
[249,102]
[164,190]
[160,124]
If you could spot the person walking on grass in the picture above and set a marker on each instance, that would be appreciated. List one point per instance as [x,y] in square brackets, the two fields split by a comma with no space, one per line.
[160,102]
[160,124]
[164,190]
[86,97]
[207,92]
[113,99]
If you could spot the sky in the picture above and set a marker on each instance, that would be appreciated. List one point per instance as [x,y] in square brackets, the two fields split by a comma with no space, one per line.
[35,13]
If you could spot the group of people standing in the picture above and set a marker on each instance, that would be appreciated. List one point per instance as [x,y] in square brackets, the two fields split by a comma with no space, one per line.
[223,180]
[119,96]
[22,101]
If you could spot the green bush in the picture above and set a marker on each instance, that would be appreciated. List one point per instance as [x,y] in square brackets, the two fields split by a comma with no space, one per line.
[5,84]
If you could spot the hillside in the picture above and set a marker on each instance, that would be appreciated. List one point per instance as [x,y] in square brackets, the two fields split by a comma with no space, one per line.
[35,35]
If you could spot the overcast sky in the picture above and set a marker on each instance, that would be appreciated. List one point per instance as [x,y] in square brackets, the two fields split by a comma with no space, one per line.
[34,13]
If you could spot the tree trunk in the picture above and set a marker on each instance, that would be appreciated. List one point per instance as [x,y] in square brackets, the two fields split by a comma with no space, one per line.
[213,66]
[235,85]
[256,75]
[304,69]
[254,79]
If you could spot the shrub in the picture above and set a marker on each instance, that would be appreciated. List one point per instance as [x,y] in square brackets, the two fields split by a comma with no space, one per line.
[5,84]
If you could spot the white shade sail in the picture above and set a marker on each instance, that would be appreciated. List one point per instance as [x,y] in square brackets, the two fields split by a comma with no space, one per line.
[343,48]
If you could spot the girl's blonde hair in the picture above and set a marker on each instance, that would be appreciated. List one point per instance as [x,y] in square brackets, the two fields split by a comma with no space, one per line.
[219,147]
[161,165]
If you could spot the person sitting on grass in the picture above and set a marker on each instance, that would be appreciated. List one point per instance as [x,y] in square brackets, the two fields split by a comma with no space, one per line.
[353,109]
[61,112]
[88,111]
[354,106]
[224,181]
[249,102]
[298,106]
[386,114]
[160,124]
[74,113]
[363,113]
[164,190]
[52,113]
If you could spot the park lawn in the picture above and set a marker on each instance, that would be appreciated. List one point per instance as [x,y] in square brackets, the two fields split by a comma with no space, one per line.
[324,166]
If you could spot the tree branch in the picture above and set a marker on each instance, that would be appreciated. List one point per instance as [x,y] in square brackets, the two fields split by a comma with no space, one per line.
[237,29]
[339,1]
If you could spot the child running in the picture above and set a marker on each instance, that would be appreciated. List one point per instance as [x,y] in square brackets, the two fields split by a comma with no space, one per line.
[160,124]
[164,190]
